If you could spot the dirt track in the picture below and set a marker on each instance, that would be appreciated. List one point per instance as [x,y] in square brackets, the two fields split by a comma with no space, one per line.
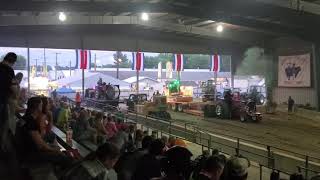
[290,133]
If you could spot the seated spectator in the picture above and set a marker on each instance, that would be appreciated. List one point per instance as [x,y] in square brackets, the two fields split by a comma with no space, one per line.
[110,127]
[171,142]
[150,164]
[121,138]
[180,142]
[138,139]
[96,165]
[119,124]
[176,164]
[92,116]
[212,170]
[236,168]
[33,148]
[49,136]
[127,163]
[82,131]
[63,116]
[199,164]
[102,133]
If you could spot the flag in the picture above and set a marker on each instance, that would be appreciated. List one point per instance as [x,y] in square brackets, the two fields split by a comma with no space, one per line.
[137,61]
[83,58]
[178,62]
[215,61]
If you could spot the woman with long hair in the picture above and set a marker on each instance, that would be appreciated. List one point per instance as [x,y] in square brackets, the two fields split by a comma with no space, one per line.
[32,145]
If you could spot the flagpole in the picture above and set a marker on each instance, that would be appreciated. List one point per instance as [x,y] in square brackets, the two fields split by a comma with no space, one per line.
[215,83]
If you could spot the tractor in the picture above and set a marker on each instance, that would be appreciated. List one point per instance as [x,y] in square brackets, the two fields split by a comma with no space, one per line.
[156,109]
[255,93]
[231,107]
[103,96]
[136,99]
[208,90]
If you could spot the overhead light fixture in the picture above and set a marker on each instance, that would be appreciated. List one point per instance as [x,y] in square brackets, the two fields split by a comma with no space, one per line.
[145,16]
[62,16]
[219,28]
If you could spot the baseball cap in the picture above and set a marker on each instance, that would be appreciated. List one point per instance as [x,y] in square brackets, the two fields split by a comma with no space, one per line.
[238,166]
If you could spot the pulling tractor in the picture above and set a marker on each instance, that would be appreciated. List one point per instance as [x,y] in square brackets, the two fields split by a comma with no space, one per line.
[231,107]
[156,109]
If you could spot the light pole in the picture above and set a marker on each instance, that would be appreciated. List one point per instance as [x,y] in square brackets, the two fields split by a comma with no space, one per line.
[118,66]
[55,72]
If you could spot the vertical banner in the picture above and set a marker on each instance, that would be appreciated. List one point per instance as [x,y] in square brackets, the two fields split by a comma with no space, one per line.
[294,71]
[83,58]
[178,62]
[137,61]
[215,61]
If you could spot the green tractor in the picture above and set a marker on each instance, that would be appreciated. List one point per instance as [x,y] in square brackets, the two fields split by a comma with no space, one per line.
[157,108]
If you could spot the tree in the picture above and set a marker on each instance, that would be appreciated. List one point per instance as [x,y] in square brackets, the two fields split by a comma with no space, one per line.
[153,61]
[21,63]
[196,61]
[125,63]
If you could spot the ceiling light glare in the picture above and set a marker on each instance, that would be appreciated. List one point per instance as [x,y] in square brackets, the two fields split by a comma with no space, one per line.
[62,16]
[145,16]
[219,28]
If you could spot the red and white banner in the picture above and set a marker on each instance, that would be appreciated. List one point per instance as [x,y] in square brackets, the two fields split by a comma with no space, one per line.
[178,62]
[215,61]
[137,61]
[83,58]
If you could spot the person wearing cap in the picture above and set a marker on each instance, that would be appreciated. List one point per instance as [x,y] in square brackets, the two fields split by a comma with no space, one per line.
[213,169]
[236,168]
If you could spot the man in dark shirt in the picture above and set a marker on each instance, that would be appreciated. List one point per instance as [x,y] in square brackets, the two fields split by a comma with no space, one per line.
[8,160]
[149,166]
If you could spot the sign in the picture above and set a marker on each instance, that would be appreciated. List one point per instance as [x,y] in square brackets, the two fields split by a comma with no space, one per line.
[294,71]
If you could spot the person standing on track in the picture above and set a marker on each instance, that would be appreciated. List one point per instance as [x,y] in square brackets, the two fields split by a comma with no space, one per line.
[290,105]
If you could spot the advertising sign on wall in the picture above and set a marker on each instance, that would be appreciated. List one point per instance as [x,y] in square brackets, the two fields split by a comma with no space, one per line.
[294,71]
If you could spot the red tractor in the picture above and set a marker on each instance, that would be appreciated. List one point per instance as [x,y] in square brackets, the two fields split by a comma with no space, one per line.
[231,107]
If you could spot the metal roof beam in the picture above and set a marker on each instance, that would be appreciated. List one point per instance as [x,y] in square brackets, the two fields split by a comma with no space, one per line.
[133,20]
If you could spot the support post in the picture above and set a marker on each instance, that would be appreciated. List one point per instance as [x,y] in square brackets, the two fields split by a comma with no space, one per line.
[316,71]
[231,73]
[215,83]
[137,83]
[28,66]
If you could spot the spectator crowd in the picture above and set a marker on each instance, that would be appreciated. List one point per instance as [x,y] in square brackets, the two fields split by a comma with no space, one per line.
[28,143]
